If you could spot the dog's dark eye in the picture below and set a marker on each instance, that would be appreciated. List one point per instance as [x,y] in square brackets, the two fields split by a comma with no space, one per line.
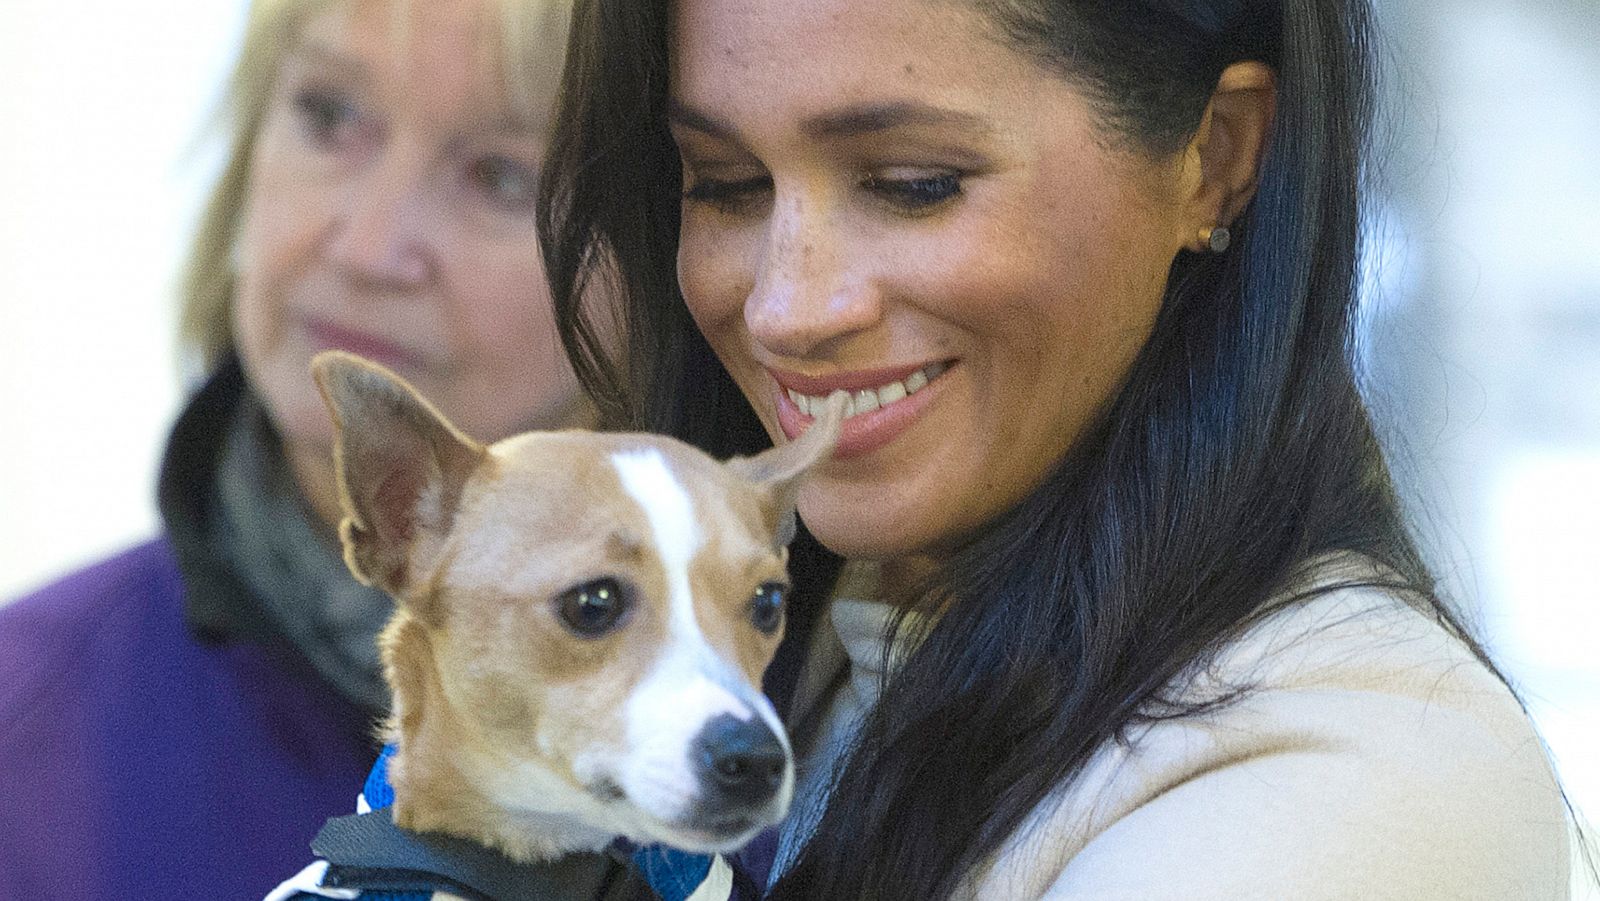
[766,608]
[592,609]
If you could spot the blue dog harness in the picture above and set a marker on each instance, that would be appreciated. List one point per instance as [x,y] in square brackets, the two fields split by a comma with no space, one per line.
[366,857]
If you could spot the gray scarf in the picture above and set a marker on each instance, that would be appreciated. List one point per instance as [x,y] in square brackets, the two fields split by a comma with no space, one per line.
[291,561]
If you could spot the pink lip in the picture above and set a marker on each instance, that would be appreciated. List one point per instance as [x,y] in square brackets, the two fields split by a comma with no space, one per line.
[866,432]
[858,380]
[326,335]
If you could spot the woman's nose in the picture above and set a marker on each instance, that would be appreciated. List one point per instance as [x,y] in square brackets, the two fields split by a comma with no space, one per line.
[382,228]
[810,291]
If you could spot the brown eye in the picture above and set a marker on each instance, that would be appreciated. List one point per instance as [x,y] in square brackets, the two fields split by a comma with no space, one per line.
[766,608]
[594,608]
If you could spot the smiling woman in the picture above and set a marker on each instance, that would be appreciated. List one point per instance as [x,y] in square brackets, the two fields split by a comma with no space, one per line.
[191,711]
[969,234]
[1127,607]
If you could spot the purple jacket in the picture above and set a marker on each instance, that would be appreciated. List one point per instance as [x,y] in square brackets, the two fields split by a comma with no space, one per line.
[159,737]
[139,761]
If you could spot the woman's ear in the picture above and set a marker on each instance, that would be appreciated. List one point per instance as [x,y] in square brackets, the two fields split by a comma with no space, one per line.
[1223,159]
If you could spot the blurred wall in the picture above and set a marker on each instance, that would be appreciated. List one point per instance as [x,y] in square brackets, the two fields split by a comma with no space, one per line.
[101,173]
[1484,345]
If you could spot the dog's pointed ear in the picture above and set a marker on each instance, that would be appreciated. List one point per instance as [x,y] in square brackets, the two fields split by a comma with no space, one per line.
[780,470]
[400,465]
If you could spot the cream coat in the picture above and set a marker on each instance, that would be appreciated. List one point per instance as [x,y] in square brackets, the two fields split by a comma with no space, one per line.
[1373,758]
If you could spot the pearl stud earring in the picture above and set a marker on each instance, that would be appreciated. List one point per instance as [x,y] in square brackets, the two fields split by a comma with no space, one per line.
[1216,239]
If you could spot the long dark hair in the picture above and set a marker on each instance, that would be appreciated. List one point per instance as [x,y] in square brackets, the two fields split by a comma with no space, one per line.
[1237,450]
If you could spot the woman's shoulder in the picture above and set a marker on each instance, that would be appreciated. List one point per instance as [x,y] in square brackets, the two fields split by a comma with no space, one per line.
[1359,749]
[123,578]
[69,624]
[1349,624]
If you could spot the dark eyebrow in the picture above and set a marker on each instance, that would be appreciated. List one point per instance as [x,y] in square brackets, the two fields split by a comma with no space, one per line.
[874,117]
[850,121]
[691,118]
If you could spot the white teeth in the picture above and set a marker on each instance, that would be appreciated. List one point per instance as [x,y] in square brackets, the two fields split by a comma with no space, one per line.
[869,399]
[801,402]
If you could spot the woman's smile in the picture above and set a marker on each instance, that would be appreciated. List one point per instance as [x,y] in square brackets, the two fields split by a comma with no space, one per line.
[883,403]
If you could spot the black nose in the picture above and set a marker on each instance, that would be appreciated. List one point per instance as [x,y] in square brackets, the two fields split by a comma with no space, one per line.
[741,761]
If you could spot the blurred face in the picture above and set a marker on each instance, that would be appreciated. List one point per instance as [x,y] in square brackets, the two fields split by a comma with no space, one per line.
[390,213]
[883,199]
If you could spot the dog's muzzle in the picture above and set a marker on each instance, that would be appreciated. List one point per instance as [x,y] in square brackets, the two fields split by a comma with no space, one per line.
[741,766]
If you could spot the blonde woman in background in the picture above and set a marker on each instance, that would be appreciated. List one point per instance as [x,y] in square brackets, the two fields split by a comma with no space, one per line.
[189,712]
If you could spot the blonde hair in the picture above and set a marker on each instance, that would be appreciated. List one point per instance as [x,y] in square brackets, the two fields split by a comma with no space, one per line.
[533,36]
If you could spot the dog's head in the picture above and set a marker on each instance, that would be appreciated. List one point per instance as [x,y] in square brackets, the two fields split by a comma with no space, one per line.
[583,620]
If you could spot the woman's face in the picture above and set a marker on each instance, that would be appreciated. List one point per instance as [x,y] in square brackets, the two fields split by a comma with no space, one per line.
[879,194]
[390,212]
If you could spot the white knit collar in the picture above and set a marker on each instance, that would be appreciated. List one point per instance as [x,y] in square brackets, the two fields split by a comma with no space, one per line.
[862,624]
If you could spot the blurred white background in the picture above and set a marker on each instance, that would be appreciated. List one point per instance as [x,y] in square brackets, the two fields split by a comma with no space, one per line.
[102,168]
[1485,301]
[1484,343]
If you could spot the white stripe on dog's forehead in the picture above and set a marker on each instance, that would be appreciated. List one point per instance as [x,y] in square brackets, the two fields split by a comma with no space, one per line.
[690,684]
[646,477]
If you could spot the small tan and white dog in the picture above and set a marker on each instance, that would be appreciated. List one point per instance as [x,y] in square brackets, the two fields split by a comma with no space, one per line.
[582,622]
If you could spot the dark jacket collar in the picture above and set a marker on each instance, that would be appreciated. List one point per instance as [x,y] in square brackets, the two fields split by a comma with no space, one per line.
[217,603]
